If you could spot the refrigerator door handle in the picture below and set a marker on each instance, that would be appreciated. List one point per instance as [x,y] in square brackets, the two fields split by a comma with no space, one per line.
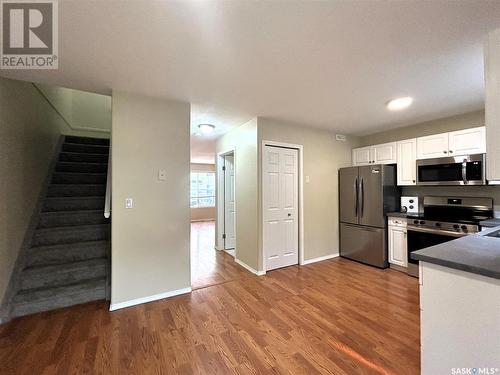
[356,197]
[362,197]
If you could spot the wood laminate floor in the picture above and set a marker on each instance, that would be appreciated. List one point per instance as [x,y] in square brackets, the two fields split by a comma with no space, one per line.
[331,317]
[209,266]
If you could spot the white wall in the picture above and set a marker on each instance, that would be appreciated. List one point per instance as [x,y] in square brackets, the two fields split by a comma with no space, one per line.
[150,243]
[244,140]
[323,156]
[82,110]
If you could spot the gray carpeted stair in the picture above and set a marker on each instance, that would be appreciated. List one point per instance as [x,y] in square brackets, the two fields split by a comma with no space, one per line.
[65,253]
[79,157]
[44,299]
[70,218]
[68,262]
[73,190]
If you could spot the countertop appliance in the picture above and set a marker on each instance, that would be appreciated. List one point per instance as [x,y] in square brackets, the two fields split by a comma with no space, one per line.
[410,205]
[455,170]
[366,194]
[445,219]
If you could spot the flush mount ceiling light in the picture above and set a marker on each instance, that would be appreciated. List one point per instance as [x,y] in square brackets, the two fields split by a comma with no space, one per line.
[206,129]
[399,103]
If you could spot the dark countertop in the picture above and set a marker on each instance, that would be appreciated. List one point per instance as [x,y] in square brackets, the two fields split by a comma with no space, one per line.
[404,215]
[475,253]
[490,223]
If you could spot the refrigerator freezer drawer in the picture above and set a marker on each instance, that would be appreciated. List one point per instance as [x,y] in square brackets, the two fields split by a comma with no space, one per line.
[363,244]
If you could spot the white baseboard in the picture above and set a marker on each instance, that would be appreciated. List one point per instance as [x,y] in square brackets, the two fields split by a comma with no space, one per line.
[248,268]
[231,252]
[138,301]
[218,248]
[319,259]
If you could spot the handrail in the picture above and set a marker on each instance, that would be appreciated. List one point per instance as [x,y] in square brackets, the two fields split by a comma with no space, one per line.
[107,202]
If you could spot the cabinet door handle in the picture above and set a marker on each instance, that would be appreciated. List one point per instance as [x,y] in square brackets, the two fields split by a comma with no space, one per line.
[451,151]
[445,152]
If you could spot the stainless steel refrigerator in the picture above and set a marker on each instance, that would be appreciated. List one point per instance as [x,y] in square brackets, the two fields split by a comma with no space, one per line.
[366,194]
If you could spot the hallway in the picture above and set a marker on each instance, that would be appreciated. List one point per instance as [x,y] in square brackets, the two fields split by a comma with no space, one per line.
[209,266]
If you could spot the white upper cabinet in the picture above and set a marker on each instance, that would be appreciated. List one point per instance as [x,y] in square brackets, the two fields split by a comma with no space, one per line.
[492,104]
[361,156]
[384,154]
[432,146]
[467,142]
[461,142]
[407,155]
[378,154]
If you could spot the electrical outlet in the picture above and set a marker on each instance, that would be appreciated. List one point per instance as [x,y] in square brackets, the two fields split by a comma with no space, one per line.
[129,203]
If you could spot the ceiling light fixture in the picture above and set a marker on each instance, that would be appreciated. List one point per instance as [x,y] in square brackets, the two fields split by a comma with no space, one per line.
[399,103]
[206,129]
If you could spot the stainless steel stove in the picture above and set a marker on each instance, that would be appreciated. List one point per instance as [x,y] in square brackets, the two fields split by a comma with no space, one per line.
[445,219]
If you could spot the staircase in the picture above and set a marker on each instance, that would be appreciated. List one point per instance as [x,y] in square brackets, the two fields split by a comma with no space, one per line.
[68,261]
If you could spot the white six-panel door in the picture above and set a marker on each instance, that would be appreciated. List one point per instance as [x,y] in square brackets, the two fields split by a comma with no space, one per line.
[280,204]
[229,206]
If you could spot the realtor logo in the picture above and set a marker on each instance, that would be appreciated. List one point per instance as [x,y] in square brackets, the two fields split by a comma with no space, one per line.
[29,34]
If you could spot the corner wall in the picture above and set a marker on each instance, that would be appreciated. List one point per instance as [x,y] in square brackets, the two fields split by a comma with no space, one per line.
[323,156]
[244,140]
[150,242]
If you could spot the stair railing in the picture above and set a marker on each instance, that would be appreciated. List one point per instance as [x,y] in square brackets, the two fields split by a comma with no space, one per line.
[107,202]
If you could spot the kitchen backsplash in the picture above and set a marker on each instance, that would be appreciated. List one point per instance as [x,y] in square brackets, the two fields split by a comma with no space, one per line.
[457,191]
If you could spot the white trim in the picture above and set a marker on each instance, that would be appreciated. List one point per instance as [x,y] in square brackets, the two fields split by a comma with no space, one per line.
[231,252]
[219,194]
[138,301]
[319,259]
[248,268]
[300,148]
[218,248]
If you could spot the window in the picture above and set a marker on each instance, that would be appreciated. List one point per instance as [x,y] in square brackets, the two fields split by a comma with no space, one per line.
[202,189]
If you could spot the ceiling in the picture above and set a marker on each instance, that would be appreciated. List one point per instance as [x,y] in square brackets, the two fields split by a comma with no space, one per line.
[330,64]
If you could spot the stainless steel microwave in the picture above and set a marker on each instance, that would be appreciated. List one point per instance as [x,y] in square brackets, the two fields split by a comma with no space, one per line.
[455,170]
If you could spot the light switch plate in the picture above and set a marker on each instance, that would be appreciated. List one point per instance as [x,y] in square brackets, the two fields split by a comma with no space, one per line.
[129,203]
[308,179]
[162,175]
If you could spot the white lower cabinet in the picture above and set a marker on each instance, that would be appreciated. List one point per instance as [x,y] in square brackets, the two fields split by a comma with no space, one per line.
[398,249]
[459,321]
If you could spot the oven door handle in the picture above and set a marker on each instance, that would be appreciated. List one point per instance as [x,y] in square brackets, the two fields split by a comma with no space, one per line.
[438,231]
[464,172]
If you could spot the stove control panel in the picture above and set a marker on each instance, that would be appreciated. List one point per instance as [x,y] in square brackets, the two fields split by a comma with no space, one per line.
[442,226]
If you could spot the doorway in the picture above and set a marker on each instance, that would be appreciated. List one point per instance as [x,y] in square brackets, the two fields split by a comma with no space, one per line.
[226,202]
[281,205]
